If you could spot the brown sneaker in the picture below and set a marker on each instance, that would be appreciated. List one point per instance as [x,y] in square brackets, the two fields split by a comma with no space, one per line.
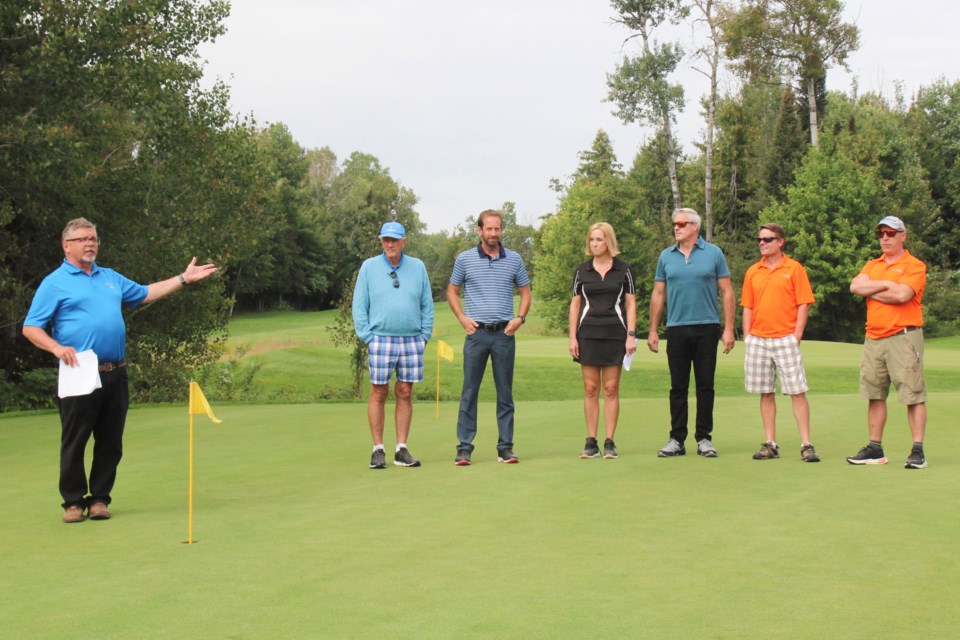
[809,454]
[768,451]
[98,511]
[73,513]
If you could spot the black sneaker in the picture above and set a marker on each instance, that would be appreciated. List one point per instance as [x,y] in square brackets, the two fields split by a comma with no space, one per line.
[610,450]
[591,449]
[916,460]
[506,456]
[378,460]
[402,458]
[870,454]
[463,458]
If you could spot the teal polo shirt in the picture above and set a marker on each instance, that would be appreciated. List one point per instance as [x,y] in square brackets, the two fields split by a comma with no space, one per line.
[692,283]
[84,310]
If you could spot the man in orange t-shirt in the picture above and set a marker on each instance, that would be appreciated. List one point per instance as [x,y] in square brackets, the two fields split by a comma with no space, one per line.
[893,286]
[776,300]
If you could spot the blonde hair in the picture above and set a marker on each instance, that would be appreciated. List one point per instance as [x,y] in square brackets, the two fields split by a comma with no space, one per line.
[608,235]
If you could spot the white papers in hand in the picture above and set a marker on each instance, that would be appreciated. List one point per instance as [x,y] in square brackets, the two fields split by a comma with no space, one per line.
[82,379]
[628,360]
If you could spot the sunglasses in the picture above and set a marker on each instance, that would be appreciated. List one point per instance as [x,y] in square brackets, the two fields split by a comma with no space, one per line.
[766,239]
[886,233]
[393,276]
[679,224]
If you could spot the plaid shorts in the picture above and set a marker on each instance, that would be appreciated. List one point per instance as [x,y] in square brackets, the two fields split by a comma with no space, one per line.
[767,356]
[401,353]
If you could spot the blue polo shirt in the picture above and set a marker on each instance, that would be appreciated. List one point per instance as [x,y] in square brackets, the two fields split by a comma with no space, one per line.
[692,283]
[488,283]
[85,310]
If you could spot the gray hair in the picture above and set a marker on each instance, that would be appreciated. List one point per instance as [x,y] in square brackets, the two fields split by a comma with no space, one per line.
[76,223]
[692,216]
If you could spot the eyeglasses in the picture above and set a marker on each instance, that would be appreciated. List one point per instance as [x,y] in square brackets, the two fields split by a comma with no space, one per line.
[680,224]
[886,233]
[396,283]
[92,239]
[766,239]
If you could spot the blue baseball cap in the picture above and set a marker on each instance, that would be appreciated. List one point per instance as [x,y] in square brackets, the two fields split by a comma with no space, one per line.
[392,230]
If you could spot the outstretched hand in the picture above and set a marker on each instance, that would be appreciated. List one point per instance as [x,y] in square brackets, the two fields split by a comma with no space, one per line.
[195,272]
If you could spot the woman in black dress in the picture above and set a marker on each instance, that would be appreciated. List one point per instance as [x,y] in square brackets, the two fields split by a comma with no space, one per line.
[603,329]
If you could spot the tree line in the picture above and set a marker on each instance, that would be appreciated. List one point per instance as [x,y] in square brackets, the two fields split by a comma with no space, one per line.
[102,115]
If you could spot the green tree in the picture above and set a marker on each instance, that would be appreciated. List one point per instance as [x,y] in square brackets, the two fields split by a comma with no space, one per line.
[102,115]
[640,85]
[798,38]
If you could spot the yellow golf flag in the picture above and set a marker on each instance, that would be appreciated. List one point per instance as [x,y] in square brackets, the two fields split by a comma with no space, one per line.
[199,404]
[444,350]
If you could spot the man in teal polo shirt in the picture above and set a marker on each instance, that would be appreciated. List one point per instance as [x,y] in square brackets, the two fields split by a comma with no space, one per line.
[688,275]
[393,316]
[81,303]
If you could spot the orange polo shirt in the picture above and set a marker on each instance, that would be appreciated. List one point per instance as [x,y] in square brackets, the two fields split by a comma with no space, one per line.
[884,319]
[774,295]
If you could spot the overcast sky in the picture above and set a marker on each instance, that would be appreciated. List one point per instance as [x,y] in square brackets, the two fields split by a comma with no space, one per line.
[471,104]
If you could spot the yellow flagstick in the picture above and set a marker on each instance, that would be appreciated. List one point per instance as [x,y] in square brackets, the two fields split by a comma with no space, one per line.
[444,351]
[198,405]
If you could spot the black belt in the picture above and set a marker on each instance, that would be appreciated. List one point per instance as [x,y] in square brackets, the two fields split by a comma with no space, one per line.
[106,367]
[492,326]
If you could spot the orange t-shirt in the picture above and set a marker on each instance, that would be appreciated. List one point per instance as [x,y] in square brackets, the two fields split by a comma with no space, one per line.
[885,319]
[774,295]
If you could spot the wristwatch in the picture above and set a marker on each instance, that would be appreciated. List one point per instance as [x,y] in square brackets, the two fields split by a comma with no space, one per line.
[632,334]
[523,319]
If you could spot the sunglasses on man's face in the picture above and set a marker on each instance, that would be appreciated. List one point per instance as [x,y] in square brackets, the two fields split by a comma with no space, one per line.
[680,224]
[886,233]
[766,239]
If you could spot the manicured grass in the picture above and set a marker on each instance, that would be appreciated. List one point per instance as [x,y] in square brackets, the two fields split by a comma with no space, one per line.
[300,363]
[298,539]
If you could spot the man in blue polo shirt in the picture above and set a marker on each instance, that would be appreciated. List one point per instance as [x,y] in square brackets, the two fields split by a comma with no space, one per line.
[393,316]
[81,303]
[688,274]
[488,275]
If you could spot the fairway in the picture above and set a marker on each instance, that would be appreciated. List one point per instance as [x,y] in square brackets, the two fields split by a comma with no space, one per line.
[298,539]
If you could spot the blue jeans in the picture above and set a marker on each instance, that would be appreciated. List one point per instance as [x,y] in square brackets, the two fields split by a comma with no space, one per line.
[501,350]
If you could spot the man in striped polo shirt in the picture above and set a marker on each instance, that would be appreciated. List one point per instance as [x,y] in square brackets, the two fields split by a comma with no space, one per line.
[488,275]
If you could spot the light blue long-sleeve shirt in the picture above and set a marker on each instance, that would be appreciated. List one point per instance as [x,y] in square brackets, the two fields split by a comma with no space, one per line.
[381,309]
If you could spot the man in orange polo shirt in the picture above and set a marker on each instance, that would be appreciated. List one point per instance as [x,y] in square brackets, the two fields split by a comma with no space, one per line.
[776,300]
[893,350]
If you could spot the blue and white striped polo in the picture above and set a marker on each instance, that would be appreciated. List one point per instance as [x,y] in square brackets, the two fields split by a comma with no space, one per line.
[488,283]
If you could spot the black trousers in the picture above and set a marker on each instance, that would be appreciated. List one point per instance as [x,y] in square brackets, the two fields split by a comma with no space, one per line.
[102,414]
[696,346]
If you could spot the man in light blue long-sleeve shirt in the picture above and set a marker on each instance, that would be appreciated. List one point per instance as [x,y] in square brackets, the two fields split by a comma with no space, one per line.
[393,316]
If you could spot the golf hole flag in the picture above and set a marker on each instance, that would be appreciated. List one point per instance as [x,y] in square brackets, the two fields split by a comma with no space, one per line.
[444,351]
[198,406]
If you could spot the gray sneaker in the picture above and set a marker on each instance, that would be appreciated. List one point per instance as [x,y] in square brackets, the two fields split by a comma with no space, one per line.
[403,458]
[591,449]
[378,460]
[705,449]
[672,449]
[809,454]
[610,450]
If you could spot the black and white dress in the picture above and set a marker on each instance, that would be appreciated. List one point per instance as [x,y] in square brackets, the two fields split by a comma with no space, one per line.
[602,325]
